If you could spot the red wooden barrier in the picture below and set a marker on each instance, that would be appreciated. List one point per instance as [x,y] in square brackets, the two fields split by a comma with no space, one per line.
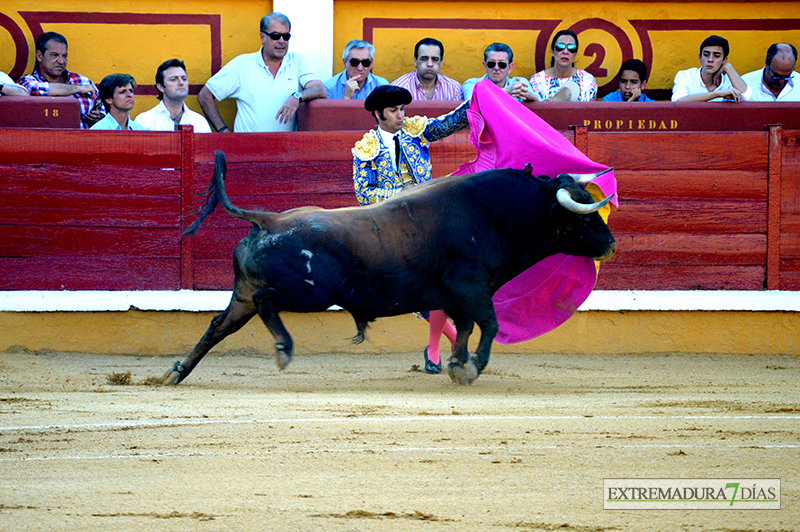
[100,210]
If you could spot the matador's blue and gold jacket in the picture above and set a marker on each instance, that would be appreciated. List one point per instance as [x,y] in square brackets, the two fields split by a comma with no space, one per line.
[374,176]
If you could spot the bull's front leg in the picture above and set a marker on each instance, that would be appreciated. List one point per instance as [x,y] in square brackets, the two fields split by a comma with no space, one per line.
[461,367]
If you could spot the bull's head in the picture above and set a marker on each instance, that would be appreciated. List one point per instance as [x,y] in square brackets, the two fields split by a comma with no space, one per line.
[588,234]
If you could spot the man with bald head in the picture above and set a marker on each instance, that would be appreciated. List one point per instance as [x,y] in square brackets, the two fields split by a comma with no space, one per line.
[777,81]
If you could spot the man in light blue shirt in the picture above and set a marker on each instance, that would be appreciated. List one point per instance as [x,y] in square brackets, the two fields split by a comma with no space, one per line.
[498,62]
[357,81]
[116,93]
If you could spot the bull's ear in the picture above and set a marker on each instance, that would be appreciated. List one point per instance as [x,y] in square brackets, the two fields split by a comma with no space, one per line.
[565,200]
[585,179]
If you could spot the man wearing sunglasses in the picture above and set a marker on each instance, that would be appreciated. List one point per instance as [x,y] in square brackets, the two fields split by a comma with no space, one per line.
[498,62]
[777,81]
[357,81]
[267,85]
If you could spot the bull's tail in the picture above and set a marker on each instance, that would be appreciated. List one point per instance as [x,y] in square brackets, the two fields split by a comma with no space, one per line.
[215,194]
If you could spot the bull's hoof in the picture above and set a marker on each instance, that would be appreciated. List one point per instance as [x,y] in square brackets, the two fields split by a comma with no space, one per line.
[170,378]
[282,356]
[463,373]
[174,375]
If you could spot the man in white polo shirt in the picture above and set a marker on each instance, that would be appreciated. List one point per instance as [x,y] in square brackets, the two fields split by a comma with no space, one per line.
[777,81]
[267,85]
[172,85]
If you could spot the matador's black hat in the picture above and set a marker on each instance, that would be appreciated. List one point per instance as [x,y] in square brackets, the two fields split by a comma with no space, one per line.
[386,96]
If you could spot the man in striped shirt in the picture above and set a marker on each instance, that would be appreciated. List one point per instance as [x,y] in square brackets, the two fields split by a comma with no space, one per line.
[426,83]
[50,77]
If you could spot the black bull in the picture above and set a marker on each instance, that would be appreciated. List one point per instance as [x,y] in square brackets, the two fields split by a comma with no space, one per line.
[447,244]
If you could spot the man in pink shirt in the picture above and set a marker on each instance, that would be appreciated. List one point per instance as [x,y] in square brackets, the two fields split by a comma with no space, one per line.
[426,83]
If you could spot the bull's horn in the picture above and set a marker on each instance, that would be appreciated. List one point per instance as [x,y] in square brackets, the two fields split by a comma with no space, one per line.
[585,179]
[566,201]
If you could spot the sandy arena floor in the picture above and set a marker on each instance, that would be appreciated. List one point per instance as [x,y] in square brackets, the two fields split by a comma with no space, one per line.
[360,442]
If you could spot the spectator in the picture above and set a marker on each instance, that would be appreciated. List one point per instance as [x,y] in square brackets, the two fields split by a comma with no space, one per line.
[426,82]
[498,62]
[632,81]
[267,85]
[357,81]
[50,77]
[116,93]
[777,81]
[172,85]
[9,88]
[562,81]
[394,156]
[715,81]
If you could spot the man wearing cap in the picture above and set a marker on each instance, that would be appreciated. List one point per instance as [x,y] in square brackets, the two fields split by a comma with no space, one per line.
[395,155]
[379,169]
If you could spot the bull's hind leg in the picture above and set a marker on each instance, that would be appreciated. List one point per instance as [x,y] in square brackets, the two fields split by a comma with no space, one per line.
[283,340]
[228,322]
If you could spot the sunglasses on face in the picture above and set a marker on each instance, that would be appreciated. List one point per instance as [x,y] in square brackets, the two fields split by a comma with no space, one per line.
[776,77]
[366,62]
[501,64]
[571,48]
[275,35]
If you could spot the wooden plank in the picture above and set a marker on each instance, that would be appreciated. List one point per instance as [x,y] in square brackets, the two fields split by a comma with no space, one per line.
[90,210]
[139,149]
[74,273]
[89,243]
[675,151]
[271,147]
[690,249]
[774,210]
[581,139]
[187,201]
[651,216]
[790,274]
[677,277]
[67,178]
[670,185]
[214,274]
[791,148]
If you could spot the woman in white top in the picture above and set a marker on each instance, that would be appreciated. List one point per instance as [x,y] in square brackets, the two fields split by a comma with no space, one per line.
[562,80]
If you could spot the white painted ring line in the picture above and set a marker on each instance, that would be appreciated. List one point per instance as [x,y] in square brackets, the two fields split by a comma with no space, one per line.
[446,417]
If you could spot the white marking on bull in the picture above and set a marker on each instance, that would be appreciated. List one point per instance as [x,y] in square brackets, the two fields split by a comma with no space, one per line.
[308,254]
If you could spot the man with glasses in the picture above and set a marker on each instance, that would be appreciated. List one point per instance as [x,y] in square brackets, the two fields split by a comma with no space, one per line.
[357,81]
[425,82]
[777,81]
[267,85]
[498,62]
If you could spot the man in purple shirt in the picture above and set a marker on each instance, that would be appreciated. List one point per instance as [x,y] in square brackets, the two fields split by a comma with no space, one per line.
[426,83]
[50,77]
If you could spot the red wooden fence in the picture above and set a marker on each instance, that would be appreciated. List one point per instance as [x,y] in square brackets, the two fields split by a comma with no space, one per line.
[100,210]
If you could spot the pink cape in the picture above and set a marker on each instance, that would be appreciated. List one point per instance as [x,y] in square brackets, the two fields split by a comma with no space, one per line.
[508,135]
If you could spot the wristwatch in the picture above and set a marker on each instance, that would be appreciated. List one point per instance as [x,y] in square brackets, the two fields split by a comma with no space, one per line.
[297,95]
